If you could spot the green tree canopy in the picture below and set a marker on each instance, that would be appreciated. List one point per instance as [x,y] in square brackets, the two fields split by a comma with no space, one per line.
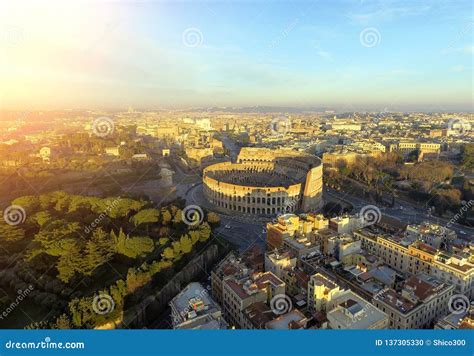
[145,216]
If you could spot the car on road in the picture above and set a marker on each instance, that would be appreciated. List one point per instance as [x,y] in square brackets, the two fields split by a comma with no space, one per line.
[462,232]
[227,226]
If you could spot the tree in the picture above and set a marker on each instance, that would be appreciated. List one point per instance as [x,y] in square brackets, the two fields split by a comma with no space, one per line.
[118,291]
[204,232]
[213,218]
[61,200]
[29,202]
[413,156]
[136,279]
[11,233]
[70,263]
[176,245]
[132,246]
[168,253]
[63,322]
[125,152]
[45,201]
[120,207]
[99,249]
[58,237]
[145,216]
[446,198]
[41,218]
[166,216]
[79,202]
[163,241]
[467,156]
[82,313]
[186,244]
[177,217]
[194,235]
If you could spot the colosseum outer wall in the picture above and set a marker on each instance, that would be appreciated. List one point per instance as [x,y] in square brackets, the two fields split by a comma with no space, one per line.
[313,190]
[303,195]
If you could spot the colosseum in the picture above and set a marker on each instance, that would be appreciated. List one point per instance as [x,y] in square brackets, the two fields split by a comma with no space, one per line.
[265,182]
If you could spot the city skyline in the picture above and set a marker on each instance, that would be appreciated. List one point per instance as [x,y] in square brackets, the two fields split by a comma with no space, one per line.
[220,167]
[345,56]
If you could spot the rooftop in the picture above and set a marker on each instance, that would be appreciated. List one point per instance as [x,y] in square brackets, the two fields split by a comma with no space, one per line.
[259,314]
[291,320]
[353,312]
[320,280]
[396,301]
[192,303]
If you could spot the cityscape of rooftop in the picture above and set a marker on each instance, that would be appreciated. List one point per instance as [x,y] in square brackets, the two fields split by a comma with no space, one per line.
[200,166]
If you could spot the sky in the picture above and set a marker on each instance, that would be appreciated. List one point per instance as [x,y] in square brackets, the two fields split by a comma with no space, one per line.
[411,55]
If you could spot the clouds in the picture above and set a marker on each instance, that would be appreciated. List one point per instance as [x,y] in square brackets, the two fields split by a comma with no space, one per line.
[458,68]
[381,11]
[324,55]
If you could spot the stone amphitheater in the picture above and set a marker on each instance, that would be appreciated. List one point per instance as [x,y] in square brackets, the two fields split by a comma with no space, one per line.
[265,182]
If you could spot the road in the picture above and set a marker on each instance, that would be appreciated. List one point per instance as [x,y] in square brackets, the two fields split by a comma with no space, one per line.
[240,231]
[245,232]
[404,212]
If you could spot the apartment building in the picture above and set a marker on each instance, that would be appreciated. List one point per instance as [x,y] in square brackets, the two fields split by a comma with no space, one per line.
[434,235]
[352,312]
[407,147]
[321,292]
[193,308]
[292,320]
[239,294]
[345,224]
[422,301]
[457,320]
[414,257]
[291,225]
[297,234]
[276,262]
[230,266]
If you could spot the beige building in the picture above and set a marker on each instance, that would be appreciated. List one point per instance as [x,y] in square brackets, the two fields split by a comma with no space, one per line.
[277,262]
[407,147]
[346,126]
[113,151]
[415,257]
[422,302]
[230,266]
[292,320]
[171,132]
[434,235]
[289,226]
[352,312]
[193,308]
[345,224]
[457,320]
[198,154]
[332,159]
[239,294]
[321,293]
